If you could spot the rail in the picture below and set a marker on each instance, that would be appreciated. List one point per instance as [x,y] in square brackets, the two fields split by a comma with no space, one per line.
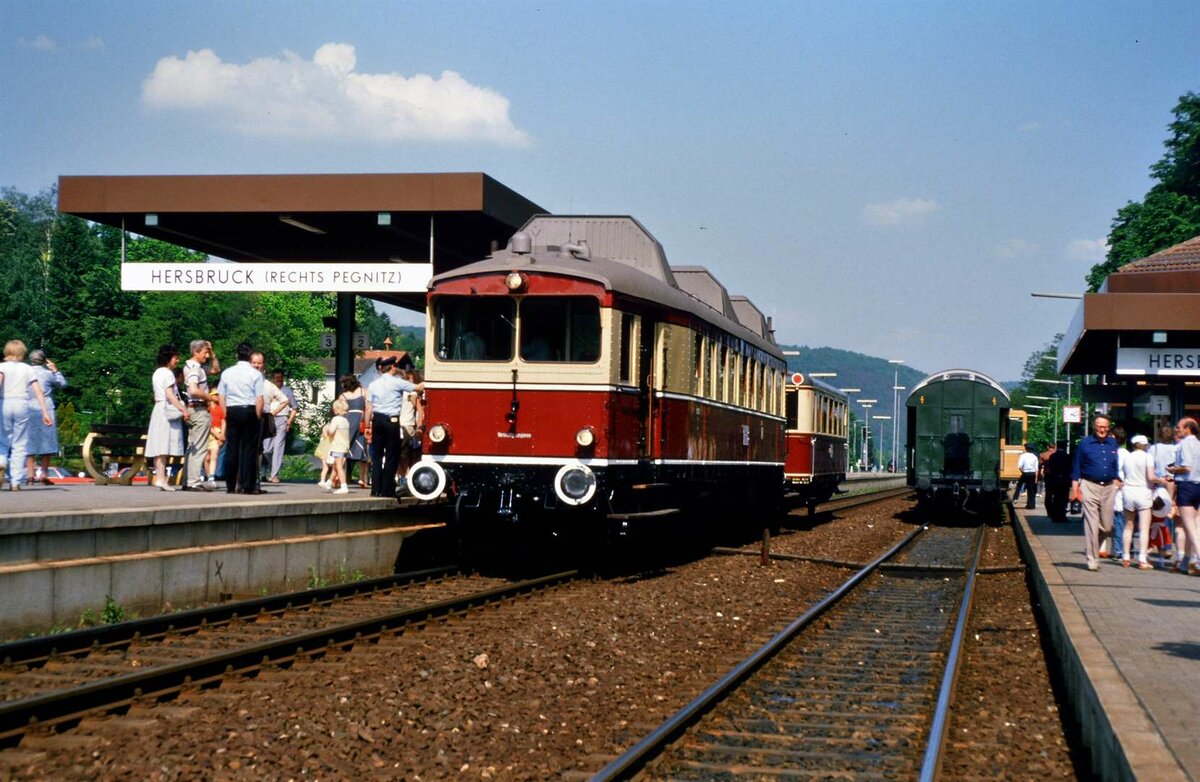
[636,756]
[873,711]
[69,705]
[936,745]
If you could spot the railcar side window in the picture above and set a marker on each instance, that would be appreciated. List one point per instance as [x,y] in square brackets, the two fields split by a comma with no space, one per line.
[474,328]
[560,328]
[1016,431]
[792,403]
[628,335]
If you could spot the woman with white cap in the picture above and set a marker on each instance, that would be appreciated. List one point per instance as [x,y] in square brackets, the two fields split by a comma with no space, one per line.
[1138,482]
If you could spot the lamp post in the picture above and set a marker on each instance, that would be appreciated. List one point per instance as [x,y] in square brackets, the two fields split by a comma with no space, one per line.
[881,419]
[867,404]
[1066,383]
[1053,399]
[851,436]
[896,389]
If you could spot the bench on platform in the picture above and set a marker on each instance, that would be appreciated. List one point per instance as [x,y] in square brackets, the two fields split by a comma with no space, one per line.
[125,446]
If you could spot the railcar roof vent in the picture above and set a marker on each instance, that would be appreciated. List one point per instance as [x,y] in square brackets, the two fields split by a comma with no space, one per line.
[750,316]
[617,238]
[577,250]
[699,283]
[521,243]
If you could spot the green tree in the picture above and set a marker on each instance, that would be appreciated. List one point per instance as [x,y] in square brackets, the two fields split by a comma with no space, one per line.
[26,223]
[1170,212]
[74,252]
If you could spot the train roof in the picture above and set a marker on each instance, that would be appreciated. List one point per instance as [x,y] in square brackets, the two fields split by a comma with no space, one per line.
[958,374]
[816,382]
[750,316]
[699,283]
[615,251]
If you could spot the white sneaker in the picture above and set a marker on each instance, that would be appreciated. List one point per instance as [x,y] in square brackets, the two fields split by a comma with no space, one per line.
[341,490]
[325,485]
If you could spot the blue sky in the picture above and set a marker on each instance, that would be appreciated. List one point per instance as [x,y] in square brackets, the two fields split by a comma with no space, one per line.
[893,178]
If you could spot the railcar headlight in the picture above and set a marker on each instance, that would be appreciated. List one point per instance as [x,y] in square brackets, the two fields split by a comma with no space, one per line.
[575,484]
[427,480]
[439,433]
[515,281]
[585,437]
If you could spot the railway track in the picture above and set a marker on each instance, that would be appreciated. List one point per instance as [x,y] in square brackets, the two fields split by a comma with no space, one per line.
[858,687]
[53,682]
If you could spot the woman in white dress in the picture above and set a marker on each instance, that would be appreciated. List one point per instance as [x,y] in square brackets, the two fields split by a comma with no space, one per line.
[165,436]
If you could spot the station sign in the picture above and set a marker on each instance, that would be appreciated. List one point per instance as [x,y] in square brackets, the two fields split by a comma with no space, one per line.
[1158,361]
[359,340]
[328,277]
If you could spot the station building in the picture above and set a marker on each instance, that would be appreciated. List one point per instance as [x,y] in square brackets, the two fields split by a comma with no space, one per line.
[1136,341]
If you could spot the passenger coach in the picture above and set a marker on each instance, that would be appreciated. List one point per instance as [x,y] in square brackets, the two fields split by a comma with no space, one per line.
[574,378]
[817,425]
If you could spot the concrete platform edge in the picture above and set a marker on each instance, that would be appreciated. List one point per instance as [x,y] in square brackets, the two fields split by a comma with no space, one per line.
[1121,738]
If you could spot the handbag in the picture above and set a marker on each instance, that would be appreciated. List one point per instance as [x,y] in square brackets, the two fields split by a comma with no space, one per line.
[268,426]
[323,447]
[172,412]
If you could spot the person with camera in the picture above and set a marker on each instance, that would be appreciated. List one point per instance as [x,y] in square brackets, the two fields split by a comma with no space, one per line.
[199,395]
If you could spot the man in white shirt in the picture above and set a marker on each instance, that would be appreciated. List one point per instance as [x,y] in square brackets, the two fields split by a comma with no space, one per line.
[200,422]
[241,394]
[1027,463]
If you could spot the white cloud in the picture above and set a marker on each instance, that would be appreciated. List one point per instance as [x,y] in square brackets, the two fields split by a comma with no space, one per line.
[1029,127]
[42,43]
[1087,250]
[93,44]
[900,211]
[325,98]
[1015,248]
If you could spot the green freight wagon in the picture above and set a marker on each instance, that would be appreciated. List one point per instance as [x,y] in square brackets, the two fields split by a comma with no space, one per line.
[957,422]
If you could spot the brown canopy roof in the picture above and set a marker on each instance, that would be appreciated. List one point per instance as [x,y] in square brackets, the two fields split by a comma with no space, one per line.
[1158,293]
[330,217]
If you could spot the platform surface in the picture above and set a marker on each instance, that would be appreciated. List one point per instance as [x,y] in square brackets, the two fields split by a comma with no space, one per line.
[83,497]
[1147,622]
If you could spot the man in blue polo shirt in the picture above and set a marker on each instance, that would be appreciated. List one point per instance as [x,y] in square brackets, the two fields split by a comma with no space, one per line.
[1095,480]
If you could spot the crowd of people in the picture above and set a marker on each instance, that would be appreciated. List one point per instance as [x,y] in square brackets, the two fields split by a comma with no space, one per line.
[1122,486]
[28,431]
[231,434]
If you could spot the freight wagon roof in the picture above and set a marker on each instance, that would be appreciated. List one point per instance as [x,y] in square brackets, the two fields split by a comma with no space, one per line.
[957,374]
[615,276]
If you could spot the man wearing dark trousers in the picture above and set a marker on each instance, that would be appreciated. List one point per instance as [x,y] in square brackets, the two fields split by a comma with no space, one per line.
[241,394]
[1057,477]
[385,397]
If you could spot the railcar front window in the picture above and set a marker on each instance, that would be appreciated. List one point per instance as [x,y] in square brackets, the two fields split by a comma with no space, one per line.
[474,328]
[562,329]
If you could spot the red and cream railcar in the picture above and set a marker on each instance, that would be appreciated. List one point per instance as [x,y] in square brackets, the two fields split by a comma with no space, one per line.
[817,426]
[572,373]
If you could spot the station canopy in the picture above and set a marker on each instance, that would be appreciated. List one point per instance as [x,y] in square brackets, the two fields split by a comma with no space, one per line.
[452,219]
[1151,303]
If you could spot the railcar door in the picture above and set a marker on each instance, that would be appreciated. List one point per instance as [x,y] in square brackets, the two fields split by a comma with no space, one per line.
[646,406]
